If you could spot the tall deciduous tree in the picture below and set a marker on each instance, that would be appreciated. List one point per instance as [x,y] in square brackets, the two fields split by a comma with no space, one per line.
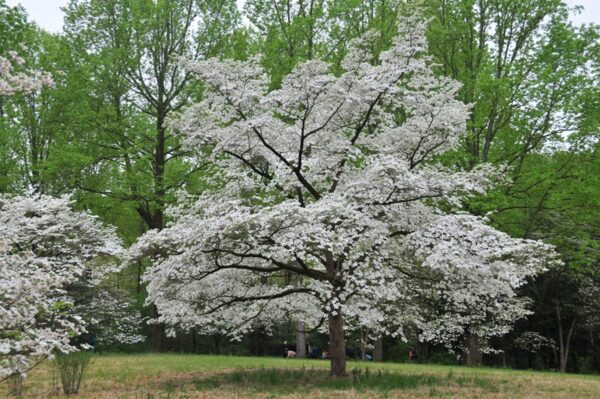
[290,32]
[138,46]
[18,35]
[505,54]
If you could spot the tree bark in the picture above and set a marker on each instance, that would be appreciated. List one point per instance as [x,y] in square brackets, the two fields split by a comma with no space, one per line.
[378,349]
[594,353]
[564,347]
[216,343]
[563,342]
[474,357]
[363,339]
[158,338]
[300,329]
[503,353]
[337,345]
[193,340]
[300,339]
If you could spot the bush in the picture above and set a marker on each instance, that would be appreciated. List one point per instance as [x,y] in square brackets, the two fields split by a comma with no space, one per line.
[397,351]
[585,365]
[15,385]
[71,368]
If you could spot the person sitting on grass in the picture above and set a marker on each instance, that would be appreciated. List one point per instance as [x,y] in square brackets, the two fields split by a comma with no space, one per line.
[313,352]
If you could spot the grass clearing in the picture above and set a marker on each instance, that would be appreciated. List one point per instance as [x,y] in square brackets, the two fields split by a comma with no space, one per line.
[176,376]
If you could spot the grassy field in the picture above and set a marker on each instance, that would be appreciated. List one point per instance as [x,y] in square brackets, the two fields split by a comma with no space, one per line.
[150,376]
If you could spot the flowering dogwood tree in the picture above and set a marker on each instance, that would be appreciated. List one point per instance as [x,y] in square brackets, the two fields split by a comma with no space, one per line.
[44,247]
[331,179]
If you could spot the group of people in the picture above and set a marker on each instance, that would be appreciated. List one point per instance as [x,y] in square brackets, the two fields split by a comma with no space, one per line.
[313,352]
[289,351]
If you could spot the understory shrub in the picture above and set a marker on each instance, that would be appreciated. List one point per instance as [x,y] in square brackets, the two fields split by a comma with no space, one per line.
[71,369]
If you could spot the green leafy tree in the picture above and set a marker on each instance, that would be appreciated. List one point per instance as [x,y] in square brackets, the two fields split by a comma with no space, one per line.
[137,78]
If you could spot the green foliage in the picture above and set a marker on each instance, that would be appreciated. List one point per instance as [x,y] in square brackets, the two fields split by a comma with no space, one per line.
[292,32]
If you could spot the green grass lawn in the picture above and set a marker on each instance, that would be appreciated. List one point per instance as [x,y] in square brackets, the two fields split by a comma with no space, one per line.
[149,376]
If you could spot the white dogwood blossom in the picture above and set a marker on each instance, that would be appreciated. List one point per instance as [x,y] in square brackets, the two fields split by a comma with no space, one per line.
[533,342]
[467,275]
[45,246]
[15,79]
[331,178]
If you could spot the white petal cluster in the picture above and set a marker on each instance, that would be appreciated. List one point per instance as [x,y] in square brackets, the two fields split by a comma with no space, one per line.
[533,342]
[472,273]
[327,200]
[13,79]
[44,247]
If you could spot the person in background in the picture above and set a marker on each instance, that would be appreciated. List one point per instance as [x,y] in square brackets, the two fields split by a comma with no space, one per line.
[313,351]
[459,359]
[285,349]
[93,341]
[412,354]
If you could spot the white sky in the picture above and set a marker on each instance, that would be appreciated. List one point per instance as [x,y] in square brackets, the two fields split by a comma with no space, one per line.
[48,15]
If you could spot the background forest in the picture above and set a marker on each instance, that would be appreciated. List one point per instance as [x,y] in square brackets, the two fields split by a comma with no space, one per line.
[103,132]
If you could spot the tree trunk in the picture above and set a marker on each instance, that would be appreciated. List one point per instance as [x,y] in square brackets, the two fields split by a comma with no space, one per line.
[594,353]
[216,341]
[300,339]
[555,357]
[378,349]
[563,342]
[474,357]
[363,339]
[564,347]
[490,132]
[193,340]
[158,338]
[337,345]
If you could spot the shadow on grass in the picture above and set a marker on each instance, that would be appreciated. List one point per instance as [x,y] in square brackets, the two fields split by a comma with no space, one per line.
[359,379]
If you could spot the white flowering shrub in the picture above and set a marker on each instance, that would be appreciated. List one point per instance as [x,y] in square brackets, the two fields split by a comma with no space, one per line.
[111,317]
[533,342]
[589,296]
[331,178]
[45,246]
